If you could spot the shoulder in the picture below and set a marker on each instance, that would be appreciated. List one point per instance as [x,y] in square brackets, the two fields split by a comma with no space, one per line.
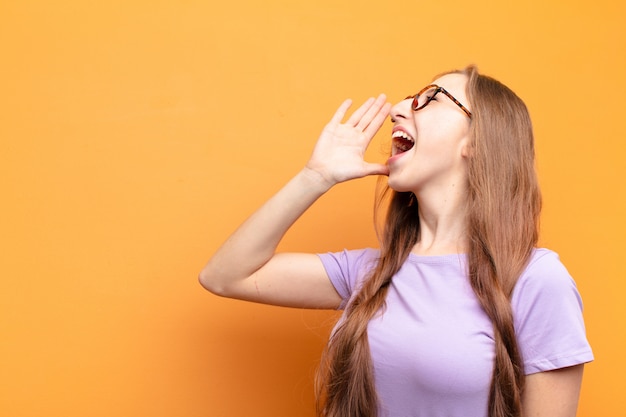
[347,269]
[353,256]
[349,262]
[546,275]
[547,310]
[544,260]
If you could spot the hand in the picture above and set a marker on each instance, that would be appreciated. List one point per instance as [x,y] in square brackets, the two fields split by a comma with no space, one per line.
[338,154]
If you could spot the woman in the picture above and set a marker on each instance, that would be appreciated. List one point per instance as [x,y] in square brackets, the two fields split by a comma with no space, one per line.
[458,313]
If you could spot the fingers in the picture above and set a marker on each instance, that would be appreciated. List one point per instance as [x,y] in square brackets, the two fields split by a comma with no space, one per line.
[372,112]
[341,112]
[362,117]
[368,118]
[359,113]
[377,120]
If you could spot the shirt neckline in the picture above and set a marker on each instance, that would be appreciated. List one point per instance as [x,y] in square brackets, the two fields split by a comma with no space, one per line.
[437,259]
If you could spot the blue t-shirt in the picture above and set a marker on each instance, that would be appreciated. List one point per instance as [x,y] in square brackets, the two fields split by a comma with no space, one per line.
[432,345]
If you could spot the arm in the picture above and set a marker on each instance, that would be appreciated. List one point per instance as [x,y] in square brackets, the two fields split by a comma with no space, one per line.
[247,266]
[552,393]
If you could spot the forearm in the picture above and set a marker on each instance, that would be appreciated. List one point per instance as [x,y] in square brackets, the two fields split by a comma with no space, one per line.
[294,279]
[255,241]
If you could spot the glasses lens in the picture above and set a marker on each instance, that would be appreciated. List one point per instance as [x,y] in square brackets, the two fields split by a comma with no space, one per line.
[424,97]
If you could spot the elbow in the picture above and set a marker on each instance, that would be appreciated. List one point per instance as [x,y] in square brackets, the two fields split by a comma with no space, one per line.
[222,281]
[209,282]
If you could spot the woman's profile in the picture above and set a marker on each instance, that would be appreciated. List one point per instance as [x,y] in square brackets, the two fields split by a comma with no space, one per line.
[457,313]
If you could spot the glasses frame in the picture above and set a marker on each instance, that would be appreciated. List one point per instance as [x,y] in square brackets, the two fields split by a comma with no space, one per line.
[415,103]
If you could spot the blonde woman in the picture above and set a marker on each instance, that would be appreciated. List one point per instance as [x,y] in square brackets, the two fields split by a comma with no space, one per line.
[458,313]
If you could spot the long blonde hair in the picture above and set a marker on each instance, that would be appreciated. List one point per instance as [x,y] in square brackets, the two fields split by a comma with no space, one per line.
[503,203]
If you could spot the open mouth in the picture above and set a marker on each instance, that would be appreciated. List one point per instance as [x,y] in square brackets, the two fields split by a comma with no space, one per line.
[401,141]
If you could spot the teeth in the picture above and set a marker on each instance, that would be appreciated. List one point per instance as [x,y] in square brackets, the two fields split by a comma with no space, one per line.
[403,135]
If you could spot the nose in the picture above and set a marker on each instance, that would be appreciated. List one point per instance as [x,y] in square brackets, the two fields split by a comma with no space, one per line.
[401,110]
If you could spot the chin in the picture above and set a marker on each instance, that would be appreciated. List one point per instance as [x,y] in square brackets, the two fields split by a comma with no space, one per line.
[405,183]
[397,185]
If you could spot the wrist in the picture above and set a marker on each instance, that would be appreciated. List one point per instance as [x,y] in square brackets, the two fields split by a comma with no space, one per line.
[316,180]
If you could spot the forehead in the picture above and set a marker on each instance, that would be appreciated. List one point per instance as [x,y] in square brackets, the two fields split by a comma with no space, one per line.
[455,84]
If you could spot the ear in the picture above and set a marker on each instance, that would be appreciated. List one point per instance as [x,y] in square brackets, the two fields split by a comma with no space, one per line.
[466,147]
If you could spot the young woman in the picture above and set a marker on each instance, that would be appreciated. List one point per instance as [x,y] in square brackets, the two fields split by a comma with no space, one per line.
[457,314]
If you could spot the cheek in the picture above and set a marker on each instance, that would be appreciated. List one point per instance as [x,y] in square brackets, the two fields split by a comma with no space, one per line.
[440,121]
[438,153]
[443,139]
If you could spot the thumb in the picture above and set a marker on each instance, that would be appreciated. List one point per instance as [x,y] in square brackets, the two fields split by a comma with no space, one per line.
[376,169]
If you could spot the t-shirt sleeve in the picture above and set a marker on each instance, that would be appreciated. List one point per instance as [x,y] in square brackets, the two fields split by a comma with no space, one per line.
[547,310]
[348,269]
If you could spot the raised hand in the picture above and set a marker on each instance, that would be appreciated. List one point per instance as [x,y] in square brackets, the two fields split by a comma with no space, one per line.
[247,265]
[338,154]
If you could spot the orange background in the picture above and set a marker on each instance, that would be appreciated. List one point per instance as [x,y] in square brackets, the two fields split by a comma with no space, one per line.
[135,135]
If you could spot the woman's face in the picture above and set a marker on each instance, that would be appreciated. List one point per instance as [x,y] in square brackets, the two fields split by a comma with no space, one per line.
[429,145]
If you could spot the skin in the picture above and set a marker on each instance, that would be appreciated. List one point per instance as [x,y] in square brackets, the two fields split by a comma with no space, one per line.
[554,393]
[435,168]
[247,266]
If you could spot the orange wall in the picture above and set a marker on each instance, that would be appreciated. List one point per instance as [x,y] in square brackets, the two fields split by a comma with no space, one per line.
[135,135]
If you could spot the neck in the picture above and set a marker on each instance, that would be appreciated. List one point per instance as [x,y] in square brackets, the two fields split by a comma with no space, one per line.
[442,213]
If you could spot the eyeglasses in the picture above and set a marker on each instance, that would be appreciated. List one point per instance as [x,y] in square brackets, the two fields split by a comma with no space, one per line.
[426,94]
